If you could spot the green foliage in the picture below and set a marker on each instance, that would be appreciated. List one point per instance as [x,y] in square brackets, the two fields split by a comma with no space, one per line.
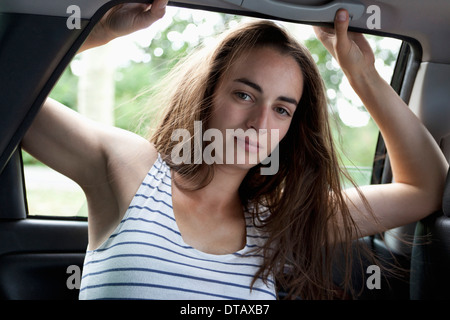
[66,89]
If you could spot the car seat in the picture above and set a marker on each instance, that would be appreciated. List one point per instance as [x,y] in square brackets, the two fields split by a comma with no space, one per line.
[430,259]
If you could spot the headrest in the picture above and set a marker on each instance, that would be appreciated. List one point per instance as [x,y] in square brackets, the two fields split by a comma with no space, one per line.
[446,197]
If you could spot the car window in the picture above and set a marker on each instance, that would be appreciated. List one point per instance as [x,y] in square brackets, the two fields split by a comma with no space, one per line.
[113,85]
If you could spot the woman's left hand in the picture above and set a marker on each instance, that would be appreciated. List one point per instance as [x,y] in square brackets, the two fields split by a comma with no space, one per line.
[351,50]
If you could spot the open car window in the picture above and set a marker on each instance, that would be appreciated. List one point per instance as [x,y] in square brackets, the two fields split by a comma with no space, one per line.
[113,84]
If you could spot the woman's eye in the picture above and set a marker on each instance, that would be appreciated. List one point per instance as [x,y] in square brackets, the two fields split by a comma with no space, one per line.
[243,96]
[282,111]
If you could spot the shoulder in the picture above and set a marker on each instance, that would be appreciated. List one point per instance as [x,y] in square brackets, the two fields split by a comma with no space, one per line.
[128,159]
[124,147]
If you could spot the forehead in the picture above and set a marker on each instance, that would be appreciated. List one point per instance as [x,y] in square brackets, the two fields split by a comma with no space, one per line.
[270,69]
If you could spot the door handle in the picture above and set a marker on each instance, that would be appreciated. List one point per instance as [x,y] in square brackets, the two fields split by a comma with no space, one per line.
[298,12]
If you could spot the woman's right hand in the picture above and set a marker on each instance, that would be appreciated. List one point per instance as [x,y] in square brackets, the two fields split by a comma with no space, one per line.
[124,19]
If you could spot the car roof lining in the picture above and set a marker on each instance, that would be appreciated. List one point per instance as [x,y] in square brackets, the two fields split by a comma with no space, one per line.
[403,19]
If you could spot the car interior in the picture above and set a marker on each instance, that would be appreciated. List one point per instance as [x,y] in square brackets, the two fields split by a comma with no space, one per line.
[36,47]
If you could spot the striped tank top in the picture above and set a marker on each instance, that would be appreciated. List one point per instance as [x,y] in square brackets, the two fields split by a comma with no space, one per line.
[146,258]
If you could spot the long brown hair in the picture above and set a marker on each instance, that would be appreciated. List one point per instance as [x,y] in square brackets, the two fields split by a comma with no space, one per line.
[304,197]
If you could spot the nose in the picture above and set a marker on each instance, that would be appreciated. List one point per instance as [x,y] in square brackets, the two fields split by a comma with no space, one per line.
[259,118]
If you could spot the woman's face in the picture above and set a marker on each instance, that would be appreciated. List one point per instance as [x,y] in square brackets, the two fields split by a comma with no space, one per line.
[256,100]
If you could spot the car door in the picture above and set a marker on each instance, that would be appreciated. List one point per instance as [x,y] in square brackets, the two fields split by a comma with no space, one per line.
[35,254]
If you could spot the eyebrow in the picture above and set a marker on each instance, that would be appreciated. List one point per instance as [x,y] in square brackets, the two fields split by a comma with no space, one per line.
[259,89]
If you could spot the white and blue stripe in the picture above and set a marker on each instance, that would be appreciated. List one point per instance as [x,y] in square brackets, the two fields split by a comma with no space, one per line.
[146,257]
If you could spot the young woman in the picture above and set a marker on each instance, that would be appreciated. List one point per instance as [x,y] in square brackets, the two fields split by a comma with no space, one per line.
[164,229]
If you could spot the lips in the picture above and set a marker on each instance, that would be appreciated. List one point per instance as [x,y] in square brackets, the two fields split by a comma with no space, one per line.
[248,144]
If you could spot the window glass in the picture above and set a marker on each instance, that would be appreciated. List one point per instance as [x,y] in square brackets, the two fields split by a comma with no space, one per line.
[124,71]
[49,193]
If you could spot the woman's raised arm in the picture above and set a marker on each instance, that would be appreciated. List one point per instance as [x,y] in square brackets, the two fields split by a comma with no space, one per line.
[419,167]
[107,162]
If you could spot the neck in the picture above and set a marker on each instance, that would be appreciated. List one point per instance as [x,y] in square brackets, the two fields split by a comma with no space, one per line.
[221,193]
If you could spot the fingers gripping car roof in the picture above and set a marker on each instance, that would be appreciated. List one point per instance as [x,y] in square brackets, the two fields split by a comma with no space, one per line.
[300,12]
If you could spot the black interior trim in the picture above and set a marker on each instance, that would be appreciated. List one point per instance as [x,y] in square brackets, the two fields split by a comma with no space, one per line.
[37,235]
[40,276]
[12,193]
[37,45]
